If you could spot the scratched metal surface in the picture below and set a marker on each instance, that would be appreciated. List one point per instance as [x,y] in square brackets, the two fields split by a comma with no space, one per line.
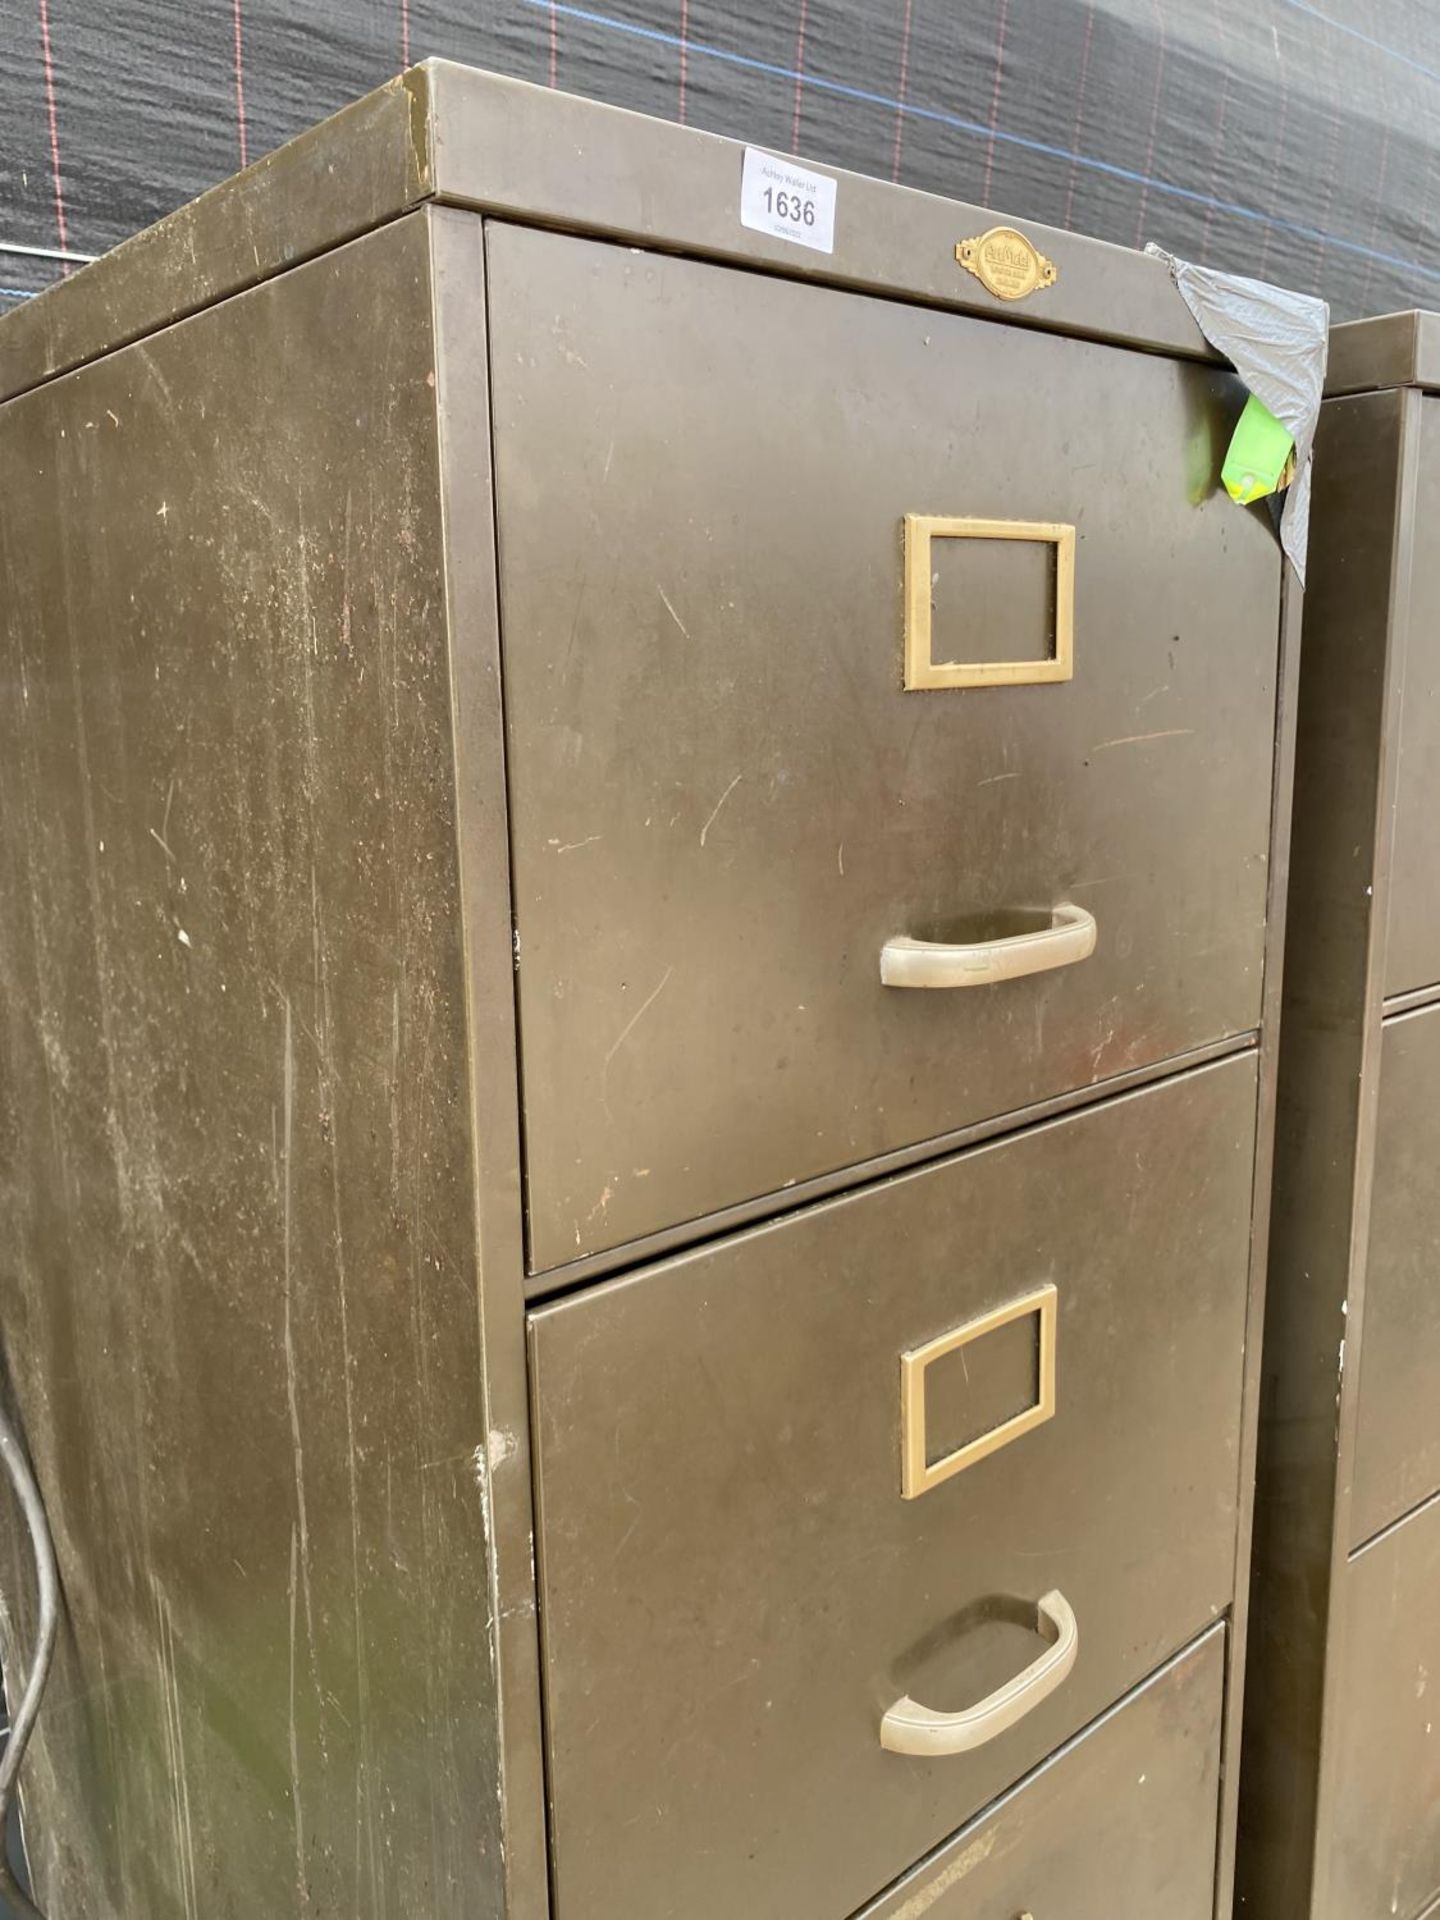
[1397,1435]
[1385,1842]
[700,576]
[1329,1084]
[1412,935]
[478,140]
[1121,1823]
[334,182]
[1339,1781]
[237,1270]
[730,1586]
[1296,139]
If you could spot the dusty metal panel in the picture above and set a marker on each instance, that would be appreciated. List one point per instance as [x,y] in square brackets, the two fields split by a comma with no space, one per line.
[1392,350]
[1412,1002]
[1329,1079]
[1397,1438]
[239,1262]
[1277,909]
[1329,1040]
[1412,949]
[1384,1843]
[468,519]
[724,802]
[363,166]
[511,148]
[728,1568]
[480,140]
[1120,1822]
[652,1246]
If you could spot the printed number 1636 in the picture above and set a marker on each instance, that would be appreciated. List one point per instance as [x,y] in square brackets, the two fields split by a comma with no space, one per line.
[790,206]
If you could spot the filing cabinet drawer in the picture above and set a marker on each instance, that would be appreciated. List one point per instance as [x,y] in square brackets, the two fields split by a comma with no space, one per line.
[724,800]
[1412,955]
[1397,1438]
[735,1590]
[1120,1826]
[1385,1828]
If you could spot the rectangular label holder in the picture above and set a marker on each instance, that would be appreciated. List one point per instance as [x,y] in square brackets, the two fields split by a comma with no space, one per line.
[919,1473]
[922,670]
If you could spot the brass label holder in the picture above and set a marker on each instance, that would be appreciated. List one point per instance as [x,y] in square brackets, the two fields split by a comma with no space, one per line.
[919,1472]
[1006,263]
[922,670]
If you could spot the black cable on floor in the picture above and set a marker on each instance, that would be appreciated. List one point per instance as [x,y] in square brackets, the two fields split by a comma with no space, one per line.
[22,1724]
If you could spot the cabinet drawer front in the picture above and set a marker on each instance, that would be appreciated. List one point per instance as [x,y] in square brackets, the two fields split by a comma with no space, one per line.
[735,1589]
[1397,1442]
[1384,1722]
[1412,957]
[724,800]
[1119,1826]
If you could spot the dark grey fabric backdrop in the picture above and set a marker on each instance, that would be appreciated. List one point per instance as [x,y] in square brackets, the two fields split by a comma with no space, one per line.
[1295,139]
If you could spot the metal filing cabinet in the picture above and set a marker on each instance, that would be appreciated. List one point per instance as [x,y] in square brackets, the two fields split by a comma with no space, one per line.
[1341,1780]
[561,1377]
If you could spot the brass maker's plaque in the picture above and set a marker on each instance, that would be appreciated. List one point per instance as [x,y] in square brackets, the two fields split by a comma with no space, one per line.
[1006,263]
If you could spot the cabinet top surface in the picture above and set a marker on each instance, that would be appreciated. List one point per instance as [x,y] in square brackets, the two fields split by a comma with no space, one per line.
[1391,350]
[457,136]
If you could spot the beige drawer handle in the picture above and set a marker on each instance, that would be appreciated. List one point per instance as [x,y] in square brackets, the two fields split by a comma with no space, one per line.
[910,1728]
[931,963]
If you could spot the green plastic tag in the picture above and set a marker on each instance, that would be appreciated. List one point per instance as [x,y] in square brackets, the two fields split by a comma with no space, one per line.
[1260,458]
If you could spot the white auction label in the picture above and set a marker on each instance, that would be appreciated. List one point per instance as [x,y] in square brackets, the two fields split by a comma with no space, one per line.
[779,197]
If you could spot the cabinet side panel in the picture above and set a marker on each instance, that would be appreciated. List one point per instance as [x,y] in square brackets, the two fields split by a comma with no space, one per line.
[1397,1434]
[1325,1090]
[237,1224]
[1384,1839]
[1412,956]
[462,369]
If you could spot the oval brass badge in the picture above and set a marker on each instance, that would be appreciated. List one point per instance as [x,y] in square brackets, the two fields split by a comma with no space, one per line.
[1006,264]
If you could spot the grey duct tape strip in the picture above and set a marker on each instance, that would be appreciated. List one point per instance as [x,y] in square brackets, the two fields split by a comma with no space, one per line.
[1277,343]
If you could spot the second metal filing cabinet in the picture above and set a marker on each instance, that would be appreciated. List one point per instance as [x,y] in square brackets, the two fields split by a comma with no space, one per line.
[462,727]
[1341,1783]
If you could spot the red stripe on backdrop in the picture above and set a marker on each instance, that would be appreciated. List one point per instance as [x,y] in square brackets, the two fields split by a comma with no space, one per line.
[799,77]
[1323,218]
[240,88]
[1428,197]
[554,44]
[1000,27]
[1375,217]
[684,54]
[1278,152]
[1154,126]
[52,114]
[1079,109]
[404,34]
[1217,152]
[900,92]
